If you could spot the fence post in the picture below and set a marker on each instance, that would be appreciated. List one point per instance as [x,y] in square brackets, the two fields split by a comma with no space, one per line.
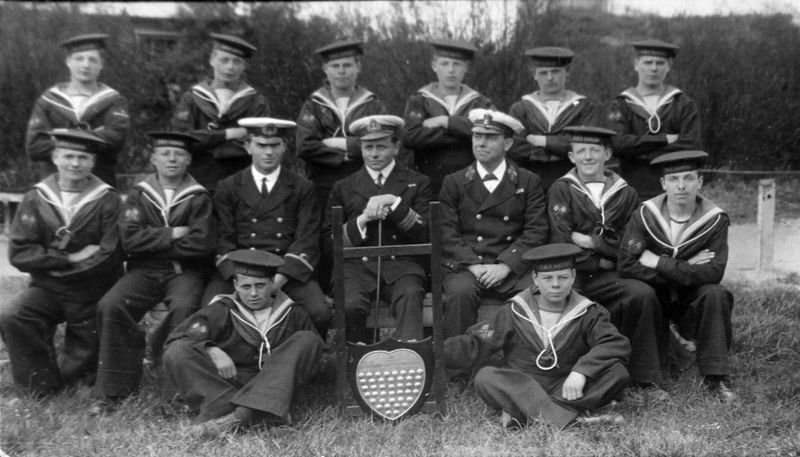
[766,223]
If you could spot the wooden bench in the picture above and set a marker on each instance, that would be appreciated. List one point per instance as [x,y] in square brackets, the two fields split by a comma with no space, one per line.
[9,198]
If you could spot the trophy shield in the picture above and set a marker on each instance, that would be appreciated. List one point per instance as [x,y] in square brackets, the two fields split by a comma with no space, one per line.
[391,379]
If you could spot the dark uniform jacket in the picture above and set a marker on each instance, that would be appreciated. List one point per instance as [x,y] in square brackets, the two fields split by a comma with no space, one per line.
[648,228]
[407,224]
[530,111]
[572,209]
[286,222]
[105,114]
[199,113]
[147,222]
[584,340]
[642,135]
[437,151]
[223,324]
[479,227]
[42,236]
[320,118]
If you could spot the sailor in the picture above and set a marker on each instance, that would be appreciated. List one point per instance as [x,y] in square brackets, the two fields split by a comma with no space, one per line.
[652,118]
[82,103]
[543,145]
[211,109]
[437,127]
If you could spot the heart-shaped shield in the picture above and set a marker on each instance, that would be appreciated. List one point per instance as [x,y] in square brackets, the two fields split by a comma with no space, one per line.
[391,378]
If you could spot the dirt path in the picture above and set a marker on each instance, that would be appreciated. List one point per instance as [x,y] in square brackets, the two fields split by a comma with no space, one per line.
[744,250]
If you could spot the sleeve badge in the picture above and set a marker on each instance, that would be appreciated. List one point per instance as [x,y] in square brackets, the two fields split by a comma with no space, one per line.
[415,115]
[307,119]
[28,220]
[483,332]
[634,246]
[198,330]
[560,209]
[132,215]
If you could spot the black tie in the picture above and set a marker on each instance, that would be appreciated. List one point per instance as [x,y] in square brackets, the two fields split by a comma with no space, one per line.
[264,188]
[380,180]
[489,177]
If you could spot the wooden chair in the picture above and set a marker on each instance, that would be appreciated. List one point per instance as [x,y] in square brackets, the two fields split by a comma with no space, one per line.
[436,396]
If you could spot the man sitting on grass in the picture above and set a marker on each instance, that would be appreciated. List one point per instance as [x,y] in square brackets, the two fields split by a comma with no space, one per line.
[237,361]
[563,357]
[678,243]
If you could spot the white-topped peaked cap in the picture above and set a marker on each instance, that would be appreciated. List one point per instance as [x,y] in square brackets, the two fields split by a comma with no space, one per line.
[377,126]
[493,122]
[267,126]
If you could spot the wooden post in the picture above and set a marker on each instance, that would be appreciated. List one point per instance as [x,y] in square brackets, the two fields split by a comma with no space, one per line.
[766,223]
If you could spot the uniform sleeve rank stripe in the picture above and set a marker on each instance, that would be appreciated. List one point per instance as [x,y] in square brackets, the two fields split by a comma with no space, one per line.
[409,221]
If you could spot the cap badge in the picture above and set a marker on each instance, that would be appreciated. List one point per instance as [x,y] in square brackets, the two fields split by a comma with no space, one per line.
[269,130]
[487,120]
[373,126]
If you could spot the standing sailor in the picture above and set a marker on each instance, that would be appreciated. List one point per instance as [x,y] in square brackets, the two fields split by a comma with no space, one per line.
[323,137]
[437,127]
[82,103]
[210,110]
[652,118]
[543,146]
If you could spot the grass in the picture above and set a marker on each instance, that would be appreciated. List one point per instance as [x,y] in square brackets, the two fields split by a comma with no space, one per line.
[766,421]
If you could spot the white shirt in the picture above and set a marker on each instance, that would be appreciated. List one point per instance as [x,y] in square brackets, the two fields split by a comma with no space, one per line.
[548,320]
[69,199]
[451,101]
[224,96]
[259,318]
[169,192]
[651,101]
[271,178]
[498,172]
[385,172]
[342,103]
[596,191]
[675,229]
[78,101]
